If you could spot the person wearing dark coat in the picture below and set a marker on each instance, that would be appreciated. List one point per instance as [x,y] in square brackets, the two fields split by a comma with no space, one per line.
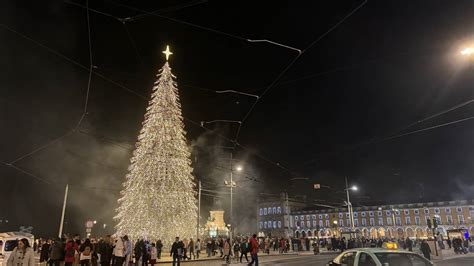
[56,252]
[44,255]
[177,251]
[159,247]
[425,248]
[105,249]
[409,244]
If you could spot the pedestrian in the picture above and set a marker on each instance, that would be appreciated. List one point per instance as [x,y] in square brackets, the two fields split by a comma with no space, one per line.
[145,254]
[127,243]
[159,247]
[153,254]
[177,251]
[448,241]
[119,252]
[226,251]
[191,249]
[409,244]
[209,247]
[253,243]
[425,249]
[236,248]
[56,252]
[105,250]
[86,253]
[70,252]
[22,254]
[198,247]
[44,254]
[244,249]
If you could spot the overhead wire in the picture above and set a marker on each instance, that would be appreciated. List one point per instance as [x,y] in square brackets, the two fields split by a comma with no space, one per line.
[169,9]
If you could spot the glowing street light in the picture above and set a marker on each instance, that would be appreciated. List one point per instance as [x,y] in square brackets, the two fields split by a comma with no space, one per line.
[354,188]
[467,51]
[239,168]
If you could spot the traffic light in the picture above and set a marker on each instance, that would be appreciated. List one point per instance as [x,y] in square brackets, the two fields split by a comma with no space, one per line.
[428,222]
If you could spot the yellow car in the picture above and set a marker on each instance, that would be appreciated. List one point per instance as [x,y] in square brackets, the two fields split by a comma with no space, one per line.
[379,257]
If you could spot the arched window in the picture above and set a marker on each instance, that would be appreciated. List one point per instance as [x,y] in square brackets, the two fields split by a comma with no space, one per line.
[279,210]
[274,224]
[279,224]
[264,211]
[265,224]
[261,225]
[274,210]
[261,211]
[269,210]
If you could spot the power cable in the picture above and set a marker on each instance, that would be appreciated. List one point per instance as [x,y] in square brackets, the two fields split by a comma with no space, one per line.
[169,9]
[285,70]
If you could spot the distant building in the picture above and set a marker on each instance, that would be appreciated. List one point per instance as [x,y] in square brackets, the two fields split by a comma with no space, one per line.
[273,215]
[402,220]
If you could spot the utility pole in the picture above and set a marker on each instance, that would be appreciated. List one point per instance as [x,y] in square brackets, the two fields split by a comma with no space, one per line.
[349,208]
[63,212]
[199,211]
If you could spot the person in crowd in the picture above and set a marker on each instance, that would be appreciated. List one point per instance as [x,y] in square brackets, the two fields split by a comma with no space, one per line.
[153,254]
[198,248]
[425,249]
[253,243]
[56,252]
[191,249]
[244,249]
[105,250]
[70,252]
[145,254]
[177,251]
[236,248]
[127,243]
[159,247]
[137,251]
[119,252]
[409,244]
[44,254]
[85,250]
[226,251]
[448,241]
[22,254]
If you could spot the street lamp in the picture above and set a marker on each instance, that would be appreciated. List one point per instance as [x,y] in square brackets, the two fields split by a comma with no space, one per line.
[468,51]
[349,205]
[232,185]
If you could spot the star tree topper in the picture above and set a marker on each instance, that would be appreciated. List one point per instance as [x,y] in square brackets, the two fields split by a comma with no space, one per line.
[167,52]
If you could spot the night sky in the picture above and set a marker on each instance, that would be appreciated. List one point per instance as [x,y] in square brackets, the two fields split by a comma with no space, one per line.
[388,65]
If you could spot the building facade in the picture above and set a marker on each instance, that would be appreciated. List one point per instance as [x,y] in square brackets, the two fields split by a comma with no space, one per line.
[395,221]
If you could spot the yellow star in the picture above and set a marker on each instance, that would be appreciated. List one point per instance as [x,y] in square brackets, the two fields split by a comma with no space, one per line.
[167,52]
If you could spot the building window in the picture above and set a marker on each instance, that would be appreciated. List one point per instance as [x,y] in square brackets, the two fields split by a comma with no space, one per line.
[348,222]
[326,216]
[320,217]
[380,221]
[416,211]
[261,211]
[261,225]
[302,217]
[314,223]
[265,224]
[449,219]
[407,220]
[417,220]
[264,211]
[459,209]
[372,221]
[371,214]
[389,220]
[387,213]
[426,211]
[308,223]
[274,224]
[341,215]
[355,214]
[279,224]
[327,223]
[321,223]
[269,210]
[379,213]
[364,222]
[461,219]
[308,217]
[362,214]
[302,224]
[436,210]
[426,219]
[447,210]
[398,221]
[407,212]
[341,223]
[356,222]
[279,210]
[274,210]
[296,218]
[397,212]
[313,217]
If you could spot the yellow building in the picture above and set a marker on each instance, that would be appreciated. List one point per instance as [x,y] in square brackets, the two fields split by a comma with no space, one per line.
[402,220]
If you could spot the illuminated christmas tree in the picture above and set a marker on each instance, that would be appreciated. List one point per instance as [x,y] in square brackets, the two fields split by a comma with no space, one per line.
[158,200]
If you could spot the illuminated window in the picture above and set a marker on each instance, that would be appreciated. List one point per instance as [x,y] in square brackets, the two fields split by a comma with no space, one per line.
[355,214]
[362,214]
[436,210]
[398,221]
[269,210]
[279,210]
[308,223]
[274,210]
[461,219]
[397,212]
[321,223]
[447,210]
[364,222]
[416,211]
[279,224]
[426,211]
[327,223]
[407,220]
[274,224]
[315,223]
[417,220]
[388,213]
[407,212]
[261,225]
[449,219]
[264,211]
[380,221]
[341,222]
[371,214]
[459,209]
[379,213]
[372,221]
[265,224]
[341,215]
[261,211]
[389,220]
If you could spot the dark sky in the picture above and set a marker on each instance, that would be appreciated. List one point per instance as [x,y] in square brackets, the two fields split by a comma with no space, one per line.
[388,65]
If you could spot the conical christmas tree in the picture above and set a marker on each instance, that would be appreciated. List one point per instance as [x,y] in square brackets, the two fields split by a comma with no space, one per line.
[158,200]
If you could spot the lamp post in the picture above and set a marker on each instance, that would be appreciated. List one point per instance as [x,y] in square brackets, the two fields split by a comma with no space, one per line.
[231,185]
[349,205]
